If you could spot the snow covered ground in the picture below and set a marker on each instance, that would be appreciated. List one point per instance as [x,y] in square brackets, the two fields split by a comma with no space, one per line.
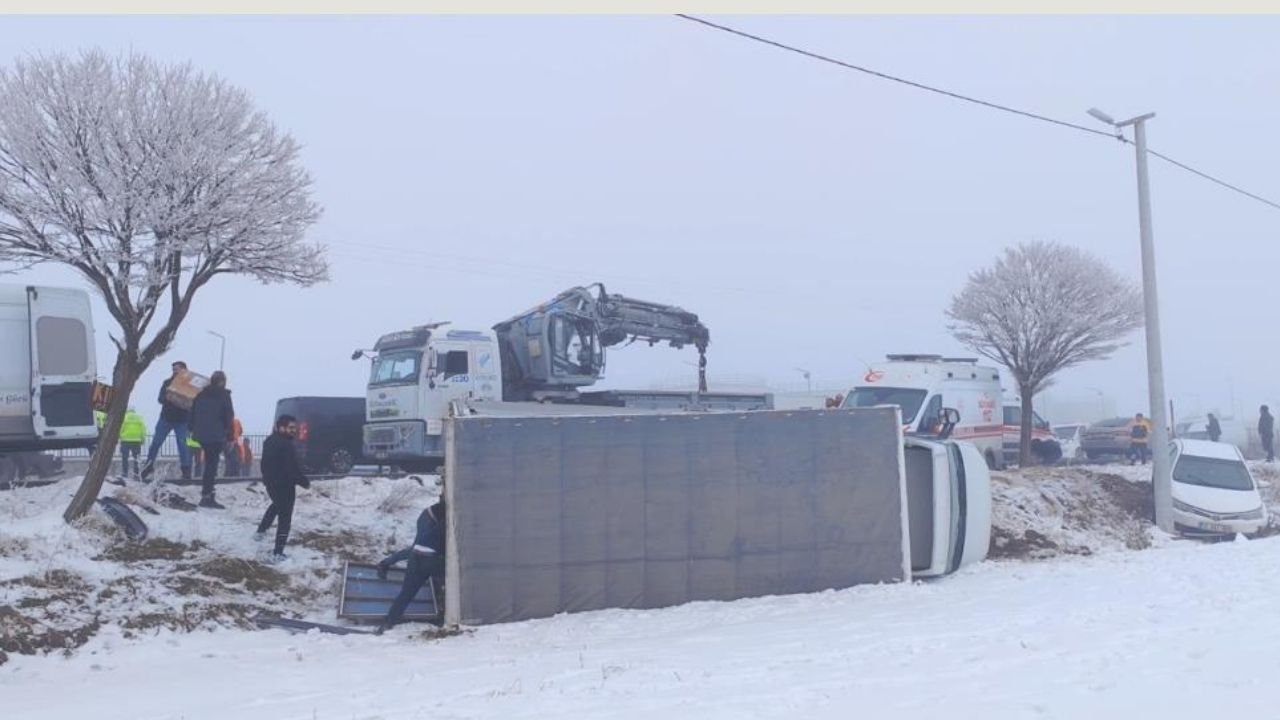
[1068,622]
[1184,630]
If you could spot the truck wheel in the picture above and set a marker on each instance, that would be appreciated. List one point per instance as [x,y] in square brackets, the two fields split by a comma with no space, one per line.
[340,462]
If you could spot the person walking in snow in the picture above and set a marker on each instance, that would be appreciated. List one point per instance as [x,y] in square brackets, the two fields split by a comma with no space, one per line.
[426,561]
[211,424]
[1214,429]
[133,433]
[281,474]
[173,419]
[1267,432]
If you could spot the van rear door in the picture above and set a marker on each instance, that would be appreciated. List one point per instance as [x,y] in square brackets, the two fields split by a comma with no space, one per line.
[63,365]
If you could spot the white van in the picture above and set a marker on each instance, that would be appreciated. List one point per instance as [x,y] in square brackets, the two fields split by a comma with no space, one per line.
[47,369]
[1213,491]
[924,384]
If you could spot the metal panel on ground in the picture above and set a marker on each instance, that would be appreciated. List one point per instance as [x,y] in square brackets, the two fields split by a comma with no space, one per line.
[569,513]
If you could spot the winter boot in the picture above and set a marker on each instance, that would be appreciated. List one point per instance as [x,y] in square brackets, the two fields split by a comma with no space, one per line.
[186,473]
[208,502]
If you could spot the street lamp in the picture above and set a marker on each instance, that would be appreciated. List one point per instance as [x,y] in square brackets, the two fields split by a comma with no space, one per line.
[807,381]
[1162,479]
[222,352]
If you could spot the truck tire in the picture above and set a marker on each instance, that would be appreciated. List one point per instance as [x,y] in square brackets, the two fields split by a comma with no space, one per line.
[8,472]
[340,462]
[991,461]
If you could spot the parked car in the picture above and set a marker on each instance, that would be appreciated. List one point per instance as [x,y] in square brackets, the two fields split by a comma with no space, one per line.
[1106,437]
[1233,431]
[330,431]
[1070,439]
[1213,491]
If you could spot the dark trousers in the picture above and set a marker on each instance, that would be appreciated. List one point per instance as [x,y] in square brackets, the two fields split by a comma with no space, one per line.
[129,449]
[1269,444]
[211,452]
[281,507]
[1138,452]
[421,568]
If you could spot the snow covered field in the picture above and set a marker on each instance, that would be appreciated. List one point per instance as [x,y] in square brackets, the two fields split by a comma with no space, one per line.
[1185,630]
[1072,623]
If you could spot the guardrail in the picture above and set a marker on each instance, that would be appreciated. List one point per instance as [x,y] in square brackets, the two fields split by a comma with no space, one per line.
[168,450]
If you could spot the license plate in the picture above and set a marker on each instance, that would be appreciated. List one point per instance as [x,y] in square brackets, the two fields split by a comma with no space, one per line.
[381,455]
[1214,527]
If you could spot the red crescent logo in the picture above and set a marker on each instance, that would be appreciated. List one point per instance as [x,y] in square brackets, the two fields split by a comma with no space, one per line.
[872,375]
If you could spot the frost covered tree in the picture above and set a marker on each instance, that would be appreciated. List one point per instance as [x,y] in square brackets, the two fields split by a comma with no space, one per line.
[1041,308]
[149,180]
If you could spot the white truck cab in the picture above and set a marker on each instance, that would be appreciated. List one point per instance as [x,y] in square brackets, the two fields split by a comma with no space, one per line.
[921,385]
[415,375]
[47,369]
[948,505]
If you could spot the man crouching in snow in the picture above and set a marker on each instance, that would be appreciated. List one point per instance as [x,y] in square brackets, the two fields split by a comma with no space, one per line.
[281,473]
[426,560]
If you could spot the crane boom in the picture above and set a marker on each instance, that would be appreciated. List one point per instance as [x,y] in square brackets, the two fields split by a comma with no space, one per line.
[557,347]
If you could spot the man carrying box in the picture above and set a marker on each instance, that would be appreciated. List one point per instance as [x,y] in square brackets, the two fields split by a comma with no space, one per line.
[173,419]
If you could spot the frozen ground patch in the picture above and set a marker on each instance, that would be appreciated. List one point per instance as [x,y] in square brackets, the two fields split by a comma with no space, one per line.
[62,585]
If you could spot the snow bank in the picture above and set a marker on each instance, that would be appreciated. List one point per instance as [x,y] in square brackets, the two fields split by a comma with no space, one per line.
[1178,631]
[201,569]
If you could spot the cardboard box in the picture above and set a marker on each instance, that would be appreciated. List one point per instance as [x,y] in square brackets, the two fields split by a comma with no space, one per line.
[184,388]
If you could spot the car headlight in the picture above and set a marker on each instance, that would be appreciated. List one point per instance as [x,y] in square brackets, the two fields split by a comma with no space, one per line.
[1255,514]
[1179,505]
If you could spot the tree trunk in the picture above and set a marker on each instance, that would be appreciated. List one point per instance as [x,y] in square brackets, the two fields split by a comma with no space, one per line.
[1024,436]
[124,378]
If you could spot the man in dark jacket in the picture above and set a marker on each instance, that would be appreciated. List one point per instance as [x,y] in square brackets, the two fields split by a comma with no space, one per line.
[211,424]
[281,474]
[173,419]
[426,560]
[1267,432]
[1214,429]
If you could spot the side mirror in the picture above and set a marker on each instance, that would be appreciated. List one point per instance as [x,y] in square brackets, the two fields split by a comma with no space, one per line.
[947,420]
[431,369]
[357,354]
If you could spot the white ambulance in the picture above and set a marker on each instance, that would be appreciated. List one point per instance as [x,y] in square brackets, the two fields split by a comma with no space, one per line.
[924,384]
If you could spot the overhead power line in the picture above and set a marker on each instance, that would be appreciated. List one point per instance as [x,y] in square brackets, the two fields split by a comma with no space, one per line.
[973,100]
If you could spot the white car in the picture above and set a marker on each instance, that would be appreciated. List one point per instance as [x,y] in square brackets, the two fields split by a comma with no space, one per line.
[1069,437]
[1213,491]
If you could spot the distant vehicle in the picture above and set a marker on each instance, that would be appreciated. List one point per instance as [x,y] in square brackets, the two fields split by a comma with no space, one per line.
[1070,439]
[330,431]
[1044,445]
[1213,491]
[1106,438]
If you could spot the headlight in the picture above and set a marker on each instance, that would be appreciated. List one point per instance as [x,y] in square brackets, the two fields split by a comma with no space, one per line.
[1255,514]
[1179,505]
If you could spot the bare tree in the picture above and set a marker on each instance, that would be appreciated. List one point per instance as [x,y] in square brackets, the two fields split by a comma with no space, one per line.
[149,180]
[1041,308]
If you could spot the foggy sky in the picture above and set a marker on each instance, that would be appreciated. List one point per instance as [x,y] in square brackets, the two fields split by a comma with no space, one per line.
[813,217]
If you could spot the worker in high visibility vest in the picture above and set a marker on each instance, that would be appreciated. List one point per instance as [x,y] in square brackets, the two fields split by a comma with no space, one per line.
[133,434]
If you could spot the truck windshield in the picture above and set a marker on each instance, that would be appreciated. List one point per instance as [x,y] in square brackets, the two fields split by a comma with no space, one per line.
[396,368]
[909,399]
[1212,472]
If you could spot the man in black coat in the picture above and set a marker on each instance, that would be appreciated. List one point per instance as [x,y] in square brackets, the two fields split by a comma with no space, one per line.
[426,560]
[1214,429]
[212,424]
[281,474]
[173,419]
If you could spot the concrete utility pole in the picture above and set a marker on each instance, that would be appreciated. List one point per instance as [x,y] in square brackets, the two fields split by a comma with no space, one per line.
[1162,476]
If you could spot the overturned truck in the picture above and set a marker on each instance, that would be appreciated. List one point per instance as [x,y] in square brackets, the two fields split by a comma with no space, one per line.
[570,508]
